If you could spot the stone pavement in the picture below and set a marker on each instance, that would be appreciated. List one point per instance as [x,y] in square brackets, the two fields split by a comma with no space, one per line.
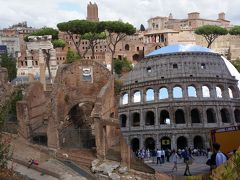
[31,173]
[197,167]
[22,152]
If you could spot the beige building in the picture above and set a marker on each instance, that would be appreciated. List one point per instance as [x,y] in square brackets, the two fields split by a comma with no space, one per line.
[192,22]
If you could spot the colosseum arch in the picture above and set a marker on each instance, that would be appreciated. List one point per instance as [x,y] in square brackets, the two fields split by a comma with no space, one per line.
[233,91]
[163,93]
[179,116]
[177,92]
[219,92]
[205,91]
[136,96]
[192,92]
[150,143]
[149,94]
[211,115]
[198,142]
[164,117]
[225,115]
[149,118]
[182,142]
[124,99]
[135,119]
[123,120]
[237,115]
[195,116]
[135,144]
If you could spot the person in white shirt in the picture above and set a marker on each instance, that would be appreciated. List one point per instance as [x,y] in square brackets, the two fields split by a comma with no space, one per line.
[159,156]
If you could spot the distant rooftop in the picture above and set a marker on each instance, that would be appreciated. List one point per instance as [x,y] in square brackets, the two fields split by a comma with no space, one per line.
[179,48]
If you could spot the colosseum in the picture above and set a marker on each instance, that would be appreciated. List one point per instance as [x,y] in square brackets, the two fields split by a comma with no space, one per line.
[175,95]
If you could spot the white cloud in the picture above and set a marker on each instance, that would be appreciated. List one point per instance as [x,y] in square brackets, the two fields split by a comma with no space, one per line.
[49,13]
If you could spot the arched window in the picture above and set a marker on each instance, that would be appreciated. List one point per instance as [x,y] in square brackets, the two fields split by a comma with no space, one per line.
[163,93]
[192,92]
[182,142]
[127,47]
[149,95]
[237,115]
[137,97]
[125,98]
[164,117]
[195,116]
[149,121]
[225,116]
[211,117]
[135,119]
[198,142]
[219,92]
[230,93]
[205,91]
[179,117]
[177,92]
[150,144]
[123,120]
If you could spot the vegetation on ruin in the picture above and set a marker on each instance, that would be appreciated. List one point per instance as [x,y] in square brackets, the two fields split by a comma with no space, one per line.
[117,86]
[236,64]
[10,64]
[235,30]
[211,33]
[71,57]
[122,65]
[58,43]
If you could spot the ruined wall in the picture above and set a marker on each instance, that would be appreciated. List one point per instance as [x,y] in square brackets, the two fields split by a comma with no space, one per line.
[31,111]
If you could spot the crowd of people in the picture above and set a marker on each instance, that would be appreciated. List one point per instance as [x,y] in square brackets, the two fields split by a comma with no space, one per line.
[160,156]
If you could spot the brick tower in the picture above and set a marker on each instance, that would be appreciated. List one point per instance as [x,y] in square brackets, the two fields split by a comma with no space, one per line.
[92,12]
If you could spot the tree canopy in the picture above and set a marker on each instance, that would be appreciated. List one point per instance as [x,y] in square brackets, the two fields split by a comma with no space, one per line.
[236,64]
[116,31]
[9,63]
[235,30]
[46,31]
[211,32]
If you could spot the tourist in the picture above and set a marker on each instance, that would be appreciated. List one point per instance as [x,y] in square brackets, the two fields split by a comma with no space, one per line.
[187,160]
[154,154]
[167,153]
[209,154]
[217,157]
[162,156]
[159,156]
[174,159]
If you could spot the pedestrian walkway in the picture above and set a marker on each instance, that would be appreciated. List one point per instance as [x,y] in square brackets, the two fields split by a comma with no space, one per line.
[197,167]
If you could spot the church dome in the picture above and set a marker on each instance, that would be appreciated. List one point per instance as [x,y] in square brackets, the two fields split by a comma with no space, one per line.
[179,48]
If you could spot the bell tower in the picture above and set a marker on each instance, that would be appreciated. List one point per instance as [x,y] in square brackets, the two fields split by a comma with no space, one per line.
[92,12]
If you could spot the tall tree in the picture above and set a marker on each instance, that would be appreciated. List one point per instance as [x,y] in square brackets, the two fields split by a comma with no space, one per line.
[9,63]
[211,32]
[76,29]
[93,39]
[235,30]
[115,32]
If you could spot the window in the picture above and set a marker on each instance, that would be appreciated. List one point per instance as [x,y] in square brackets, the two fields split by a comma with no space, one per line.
[230,93]
[150,95]
[219,92]
[205,91]
[149,69]
[175,66]
[87,74]
[137,97]
[177,92]
[163,93]
[203,66]
[125,99]
[192,91]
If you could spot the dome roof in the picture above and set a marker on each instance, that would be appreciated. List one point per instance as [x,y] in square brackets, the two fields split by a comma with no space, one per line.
[179,48]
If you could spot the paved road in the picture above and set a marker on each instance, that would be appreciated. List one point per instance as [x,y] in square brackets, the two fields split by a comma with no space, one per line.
[197,167]
[31,173]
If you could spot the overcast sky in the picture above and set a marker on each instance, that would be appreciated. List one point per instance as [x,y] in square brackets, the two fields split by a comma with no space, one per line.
[39,13]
